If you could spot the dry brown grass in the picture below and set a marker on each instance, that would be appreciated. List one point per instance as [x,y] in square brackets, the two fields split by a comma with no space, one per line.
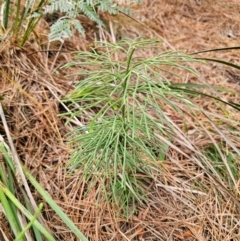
[184,202]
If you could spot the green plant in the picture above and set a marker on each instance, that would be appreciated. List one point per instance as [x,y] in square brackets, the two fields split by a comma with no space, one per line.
[218,60]
[54,206]
[11,192]
[71,10]
[121,101]
[10,203]
[21,20]
[232,162]
[225,163]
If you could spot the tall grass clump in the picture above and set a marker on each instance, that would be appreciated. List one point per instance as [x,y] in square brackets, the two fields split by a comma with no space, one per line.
[15,213]
[20,19]
[16,200]
[119,104]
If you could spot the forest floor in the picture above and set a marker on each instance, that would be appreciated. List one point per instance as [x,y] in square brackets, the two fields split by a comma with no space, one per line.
[32,84]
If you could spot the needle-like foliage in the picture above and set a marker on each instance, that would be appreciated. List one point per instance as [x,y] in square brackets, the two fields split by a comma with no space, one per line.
[121,101]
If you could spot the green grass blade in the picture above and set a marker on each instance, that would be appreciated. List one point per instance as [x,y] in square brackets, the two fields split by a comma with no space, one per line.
[217,49]
[195,92]
[5,153]
[221,62]
[26,212]
[37,233]
[12,219]
[6,14]
[54,206]
[29,225]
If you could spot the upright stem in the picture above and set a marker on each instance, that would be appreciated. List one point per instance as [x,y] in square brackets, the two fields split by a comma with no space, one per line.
[126,78]
[6,14]
[16,20]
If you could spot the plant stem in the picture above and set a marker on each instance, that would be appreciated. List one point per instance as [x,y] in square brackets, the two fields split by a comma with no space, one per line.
[6,14]
[126,78]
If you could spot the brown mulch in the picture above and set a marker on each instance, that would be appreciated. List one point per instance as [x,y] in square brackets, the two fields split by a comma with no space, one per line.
[32,84]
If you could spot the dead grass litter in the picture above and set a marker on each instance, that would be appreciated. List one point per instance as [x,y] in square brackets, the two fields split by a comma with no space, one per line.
[184,203]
